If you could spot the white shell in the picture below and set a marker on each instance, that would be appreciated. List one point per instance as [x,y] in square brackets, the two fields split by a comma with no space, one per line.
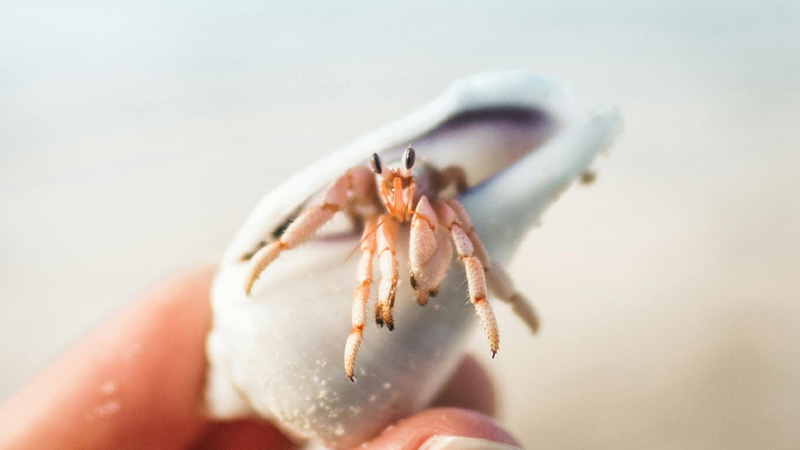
[278,353]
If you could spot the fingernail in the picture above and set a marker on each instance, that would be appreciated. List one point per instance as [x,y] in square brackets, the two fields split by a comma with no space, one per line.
[463,443]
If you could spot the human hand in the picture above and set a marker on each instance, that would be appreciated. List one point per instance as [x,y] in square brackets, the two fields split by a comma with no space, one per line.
[137,383]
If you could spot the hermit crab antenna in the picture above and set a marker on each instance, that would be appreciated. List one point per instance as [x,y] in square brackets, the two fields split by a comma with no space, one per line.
[409,157]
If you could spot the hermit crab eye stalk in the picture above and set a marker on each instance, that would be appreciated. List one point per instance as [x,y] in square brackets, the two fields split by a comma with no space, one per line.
[376,164]
[408,158]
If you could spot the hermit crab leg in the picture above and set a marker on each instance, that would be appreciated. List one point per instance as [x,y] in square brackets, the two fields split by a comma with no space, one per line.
[360,296]
[474,271]
[466,223]
[500,284]
[422,249]
[387,262]
[426,282]
[333,200]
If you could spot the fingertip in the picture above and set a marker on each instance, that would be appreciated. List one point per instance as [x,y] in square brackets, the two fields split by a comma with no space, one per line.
[137,379]
[412,433]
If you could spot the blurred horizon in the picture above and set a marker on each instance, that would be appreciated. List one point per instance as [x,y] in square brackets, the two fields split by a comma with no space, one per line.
[135,139]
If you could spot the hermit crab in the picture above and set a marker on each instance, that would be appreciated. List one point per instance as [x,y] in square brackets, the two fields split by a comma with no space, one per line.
[403,197]
[441,217]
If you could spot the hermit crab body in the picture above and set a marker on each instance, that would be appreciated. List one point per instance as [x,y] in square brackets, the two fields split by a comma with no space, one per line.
[289,300]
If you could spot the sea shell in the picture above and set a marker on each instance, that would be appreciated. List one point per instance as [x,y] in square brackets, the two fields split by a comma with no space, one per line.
[277,354]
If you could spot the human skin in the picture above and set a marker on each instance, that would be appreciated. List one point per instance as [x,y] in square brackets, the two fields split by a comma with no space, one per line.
[137,383]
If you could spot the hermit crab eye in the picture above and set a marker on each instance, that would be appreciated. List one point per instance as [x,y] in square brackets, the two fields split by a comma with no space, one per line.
[408,158]
[377,167]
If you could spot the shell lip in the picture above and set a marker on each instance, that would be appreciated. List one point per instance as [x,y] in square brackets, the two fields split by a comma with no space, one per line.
[503,99]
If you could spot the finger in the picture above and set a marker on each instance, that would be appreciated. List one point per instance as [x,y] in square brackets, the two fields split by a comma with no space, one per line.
[419,430]
[243,435]
[134,383]
[470,387]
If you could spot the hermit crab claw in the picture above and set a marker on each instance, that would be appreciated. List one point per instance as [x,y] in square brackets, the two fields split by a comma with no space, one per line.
[276,353]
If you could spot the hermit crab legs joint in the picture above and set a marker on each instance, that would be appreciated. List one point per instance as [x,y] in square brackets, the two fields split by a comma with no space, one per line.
[378,223]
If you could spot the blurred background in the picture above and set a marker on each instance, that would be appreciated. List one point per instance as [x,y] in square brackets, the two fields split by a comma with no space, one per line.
[136,137]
